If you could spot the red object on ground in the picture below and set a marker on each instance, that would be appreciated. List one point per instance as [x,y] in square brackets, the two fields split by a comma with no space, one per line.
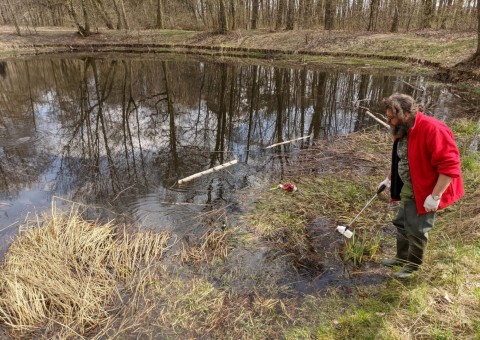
[288,187]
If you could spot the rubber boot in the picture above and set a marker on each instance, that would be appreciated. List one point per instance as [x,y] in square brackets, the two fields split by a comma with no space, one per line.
[415,252]
[402,251]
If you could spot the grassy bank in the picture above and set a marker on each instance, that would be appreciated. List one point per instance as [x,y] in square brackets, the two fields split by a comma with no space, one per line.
[281,272]
[442,48]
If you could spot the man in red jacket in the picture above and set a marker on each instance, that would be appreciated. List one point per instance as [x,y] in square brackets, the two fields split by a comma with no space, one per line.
[425,176]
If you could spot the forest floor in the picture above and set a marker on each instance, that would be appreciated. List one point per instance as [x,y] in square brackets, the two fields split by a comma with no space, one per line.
[441,50]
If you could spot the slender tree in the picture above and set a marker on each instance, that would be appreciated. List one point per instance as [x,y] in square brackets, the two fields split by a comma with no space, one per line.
[395,20]
[160,24]
[233,14]
[100,9]
[222,18]
[291,15]
[14,17]
[373,15]
[83,30]
[254,14]
[329,15]
[426,20]
[476,56]
[280,14]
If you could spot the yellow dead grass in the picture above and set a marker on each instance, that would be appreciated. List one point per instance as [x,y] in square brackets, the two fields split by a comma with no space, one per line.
[65,272]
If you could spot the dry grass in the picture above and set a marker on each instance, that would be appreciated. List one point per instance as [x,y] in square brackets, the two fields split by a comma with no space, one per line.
[65,275]
[444,47]
[69,278]
[212,245]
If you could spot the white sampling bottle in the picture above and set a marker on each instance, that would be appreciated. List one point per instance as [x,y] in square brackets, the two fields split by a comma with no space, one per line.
[345,231]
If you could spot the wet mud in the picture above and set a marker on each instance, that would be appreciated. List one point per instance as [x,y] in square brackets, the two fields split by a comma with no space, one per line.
[332,272]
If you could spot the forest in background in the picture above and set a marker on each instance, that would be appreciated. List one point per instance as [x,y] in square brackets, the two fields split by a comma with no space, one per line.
[224,15]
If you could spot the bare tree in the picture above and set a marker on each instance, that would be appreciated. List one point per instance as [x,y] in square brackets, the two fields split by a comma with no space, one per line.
[396,16]
[119,8]
[160,24]
[254,14]
[476,56]
[291,15]
[426,21]
[478,29]
[233,14]
[373,15]
[445,13]
[280,14]
[222,17]
[329,15]
[100,8]
[83,30]
[14,17]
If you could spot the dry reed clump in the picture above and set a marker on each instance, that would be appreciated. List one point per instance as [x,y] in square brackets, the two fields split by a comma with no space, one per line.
[62,273]
[213,244]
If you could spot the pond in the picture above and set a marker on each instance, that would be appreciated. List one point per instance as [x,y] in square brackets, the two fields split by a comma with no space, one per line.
[116,133]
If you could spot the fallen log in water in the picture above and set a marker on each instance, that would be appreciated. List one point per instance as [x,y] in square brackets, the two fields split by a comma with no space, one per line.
[374,117]
[288,141]
[215,168]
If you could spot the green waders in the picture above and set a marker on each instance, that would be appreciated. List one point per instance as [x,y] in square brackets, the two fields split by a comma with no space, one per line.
[412,230]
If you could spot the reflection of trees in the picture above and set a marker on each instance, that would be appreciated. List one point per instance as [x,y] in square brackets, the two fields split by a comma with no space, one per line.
[141,123]
[320,98]
[253,106]
[171,115]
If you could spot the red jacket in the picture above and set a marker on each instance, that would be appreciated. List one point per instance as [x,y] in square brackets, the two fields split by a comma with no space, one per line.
[432,151]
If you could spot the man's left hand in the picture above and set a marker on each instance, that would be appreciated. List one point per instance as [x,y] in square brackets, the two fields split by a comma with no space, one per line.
[431,204]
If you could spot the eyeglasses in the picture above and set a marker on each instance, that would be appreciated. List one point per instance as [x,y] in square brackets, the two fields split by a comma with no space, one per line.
[390,118]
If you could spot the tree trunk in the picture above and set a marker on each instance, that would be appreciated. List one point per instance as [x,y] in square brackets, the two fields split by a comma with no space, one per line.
[233,11]
[329,15]
[124,14]
[86,18]
[394,27]
[119,15]
[254,14]
[81,30]
[446,12]
[318,8]
[14,17]
[103,13]
[291,15]
[373,11]
[160,25]
[427,14]
[477,53]
[301,13]
[280,13]
[222,18]
[458,5]
[307,13]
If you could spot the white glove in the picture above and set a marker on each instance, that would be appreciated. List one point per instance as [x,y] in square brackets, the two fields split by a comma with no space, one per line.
[387,183]
[431,204]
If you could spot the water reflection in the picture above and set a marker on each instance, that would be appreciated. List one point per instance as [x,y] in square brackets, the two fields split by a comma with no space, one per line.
[117,134]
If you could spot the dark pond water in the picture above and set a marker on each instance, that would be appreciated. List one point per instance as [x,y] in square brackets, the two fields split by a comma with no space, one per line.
[117,133]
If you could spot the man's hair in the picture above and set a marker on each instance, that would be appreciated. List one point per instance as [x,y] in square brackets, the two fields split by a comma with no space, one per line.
[400,104]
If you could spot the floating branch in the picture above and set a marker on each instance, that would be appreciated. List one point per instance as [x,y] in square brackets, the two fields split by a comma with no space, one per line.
[373,116]
[215,168]
[288,141]
[422,89]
